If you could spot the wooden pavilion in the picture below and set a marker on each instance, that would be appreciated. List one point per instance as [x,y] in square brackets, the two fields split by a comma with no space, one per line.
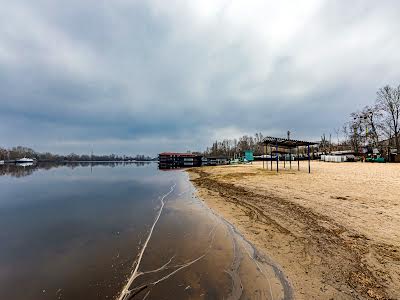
[274,142]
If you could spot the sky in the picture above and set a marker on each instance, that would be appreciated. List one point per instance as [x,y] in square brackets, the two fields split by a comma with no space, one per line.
[130,77]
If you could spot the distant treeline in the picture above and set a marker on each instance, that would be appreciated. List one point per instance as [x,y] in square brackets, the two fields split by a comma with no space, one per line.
[374,126]
[20,151]
[232,147]
[235,147]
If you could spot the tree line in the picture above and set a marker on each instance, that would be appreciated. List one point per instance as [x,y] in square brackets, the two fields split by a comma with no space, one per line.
[235,147]
[20,151]
[376,126]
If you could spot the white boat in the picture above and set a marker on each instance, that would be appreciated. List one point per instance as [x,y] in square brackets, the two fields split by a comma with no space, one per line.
[1,162]
[24,160]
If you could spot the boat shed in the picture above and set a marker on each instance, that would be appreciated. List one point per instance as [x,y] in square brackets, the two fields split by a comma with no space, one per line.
[171,160]
[215,160]
[274,142]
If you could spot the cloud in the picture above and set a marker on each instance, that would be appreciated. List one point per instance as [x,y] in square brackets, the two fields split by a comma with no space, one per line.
[146,76]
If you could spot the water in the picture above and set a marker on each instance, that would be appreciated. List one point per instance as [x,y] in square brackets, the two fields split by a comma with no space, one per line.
[119,231]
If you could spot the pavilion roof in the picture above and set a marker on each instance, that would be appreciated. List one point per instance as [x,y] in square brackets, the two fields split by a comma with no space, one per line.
[286,143]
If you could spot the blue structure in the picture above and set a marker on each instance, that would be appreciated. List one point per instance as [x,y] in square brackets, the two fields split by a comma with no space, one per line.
[248,155]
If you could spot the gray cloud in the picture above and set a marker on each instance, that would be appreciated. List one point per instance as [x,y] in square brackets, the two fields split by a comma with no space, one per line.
[145,76]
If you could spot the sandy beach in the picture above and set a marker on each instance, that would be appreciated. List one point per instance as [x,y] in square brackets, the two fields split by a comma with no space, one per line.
[334,232]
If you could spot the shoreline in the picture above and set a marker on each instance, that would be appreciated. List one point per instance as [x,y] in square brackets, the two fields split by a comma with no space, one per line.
[322,255]
[217,263]
[263,262]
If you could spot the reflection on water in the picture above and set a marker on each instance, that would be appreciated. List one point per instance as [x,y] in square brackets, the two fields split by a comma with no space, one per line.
[127,231]
[25,169]
[26,164]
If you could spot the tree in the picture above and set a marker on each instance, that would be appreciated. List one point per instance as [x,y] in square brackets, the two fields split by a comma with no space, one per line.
[372,117]
[368,120]
[337,132]
[388,101]
[355,132]
[323,144]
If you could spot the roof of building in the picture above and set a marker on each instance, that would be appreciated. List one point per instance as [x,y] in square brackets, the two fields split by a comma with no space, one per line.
[281,142]
[279,152]
[179,154]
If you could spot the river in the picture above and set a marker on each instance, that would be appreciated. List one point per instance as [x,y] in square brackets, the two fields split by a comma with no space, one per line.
[121,231]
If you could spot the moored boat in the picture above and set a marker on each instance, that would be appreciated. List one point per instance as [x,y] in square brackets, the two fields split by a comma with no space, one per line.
[24,160]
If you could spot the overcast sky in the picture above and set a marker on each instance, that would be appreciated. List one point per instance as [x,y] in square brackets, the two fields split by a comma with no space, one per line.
[147,76]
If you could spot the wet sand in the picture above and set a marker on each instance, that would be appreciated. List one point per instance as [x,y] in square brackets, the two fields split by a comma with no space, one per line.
[200,257]
[335,232]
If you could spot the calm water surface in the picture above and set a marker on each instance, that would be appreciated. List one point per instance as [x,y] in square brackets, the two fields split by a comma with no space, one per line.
[121,231]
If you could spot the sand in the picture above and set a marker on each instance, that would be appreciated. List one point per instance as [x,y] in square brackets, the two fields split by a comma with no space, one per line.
[334,232]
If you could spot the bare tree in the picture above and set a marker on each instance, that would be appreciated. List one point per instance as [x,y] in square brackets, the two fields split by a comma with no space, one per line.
[386,130]
[337,132]
[323,144]
[345,133]
[355,131]
[372,117]
[388,101]
[369,119]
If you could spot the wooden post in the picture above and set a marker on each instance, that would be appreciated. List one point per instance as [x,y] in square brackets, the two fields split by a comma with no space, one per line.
[298,159]
[284,161]
[264,158]
[270,155]
[290,157]
[309,165]
[277,158]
